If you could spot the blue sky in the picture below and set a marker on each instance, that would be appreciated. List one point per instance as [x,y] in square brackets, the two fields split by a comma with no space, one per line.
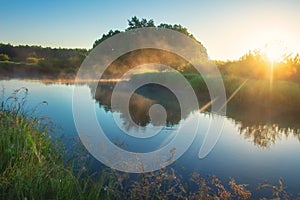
[228,29]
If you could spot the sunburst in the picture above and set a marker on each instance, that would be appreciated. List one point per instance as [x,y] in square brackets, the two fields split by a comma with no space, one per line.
[275,50]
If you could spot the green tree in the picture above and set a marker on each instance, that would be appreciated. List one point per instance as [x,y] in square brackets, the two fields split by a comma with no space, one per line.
[32,58]
[105,36]
[4,57]
[176,27]
[134,23]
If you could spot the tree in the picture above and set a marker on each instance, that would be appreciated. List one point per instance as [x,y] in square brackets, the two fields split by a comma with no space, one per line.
[177,27]
[4,57]
[32,60]
[105,36]
[136,23]
[162,57]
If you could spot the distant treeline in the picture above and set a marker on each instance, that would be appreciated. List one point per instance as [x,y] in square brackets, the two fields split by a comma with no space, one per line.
[22,52]
[28,61]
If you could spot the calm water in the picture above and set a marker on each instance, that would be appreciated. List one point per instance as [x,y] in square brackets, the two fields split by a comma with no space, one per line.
[240,153]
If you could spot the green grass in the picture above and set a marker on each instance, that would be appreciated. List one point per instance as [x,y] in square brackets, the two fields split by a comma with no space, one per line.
[33,166]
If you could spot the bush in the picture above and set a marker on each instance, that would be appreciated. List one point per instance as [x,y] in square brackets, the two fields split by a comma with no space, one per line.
[4,57]
[32,60]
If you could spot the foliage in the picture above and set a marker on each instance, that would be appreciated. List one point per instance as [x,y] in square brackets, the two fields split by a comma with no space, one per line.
[4,57]
[105,36]
[35,61]
[166,183]
[21,52]
[32,164]
[61,62]
[135,23]
[255,65]
[177,27]
[32,60]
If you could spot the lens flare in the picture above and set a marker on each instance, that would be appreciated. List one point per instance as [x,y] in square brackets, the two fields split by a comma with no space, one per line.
[275,50]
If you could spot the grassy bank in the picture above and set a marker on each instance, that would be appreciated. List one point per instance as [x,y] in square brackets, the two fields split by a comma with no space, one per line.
[33,166]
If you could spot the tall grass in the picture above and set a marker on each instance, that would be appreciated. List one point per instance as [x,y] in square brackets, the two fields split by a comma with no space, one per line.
[32,165]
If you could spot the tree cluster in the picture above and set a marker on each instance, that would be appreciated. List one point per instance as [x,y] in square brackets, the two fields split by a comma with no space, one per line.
[135,23]
[144,56]
[255,65]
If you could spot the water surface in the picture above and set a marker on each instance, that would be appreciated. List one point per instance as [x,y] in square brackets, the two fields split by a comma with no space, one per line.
[249,154]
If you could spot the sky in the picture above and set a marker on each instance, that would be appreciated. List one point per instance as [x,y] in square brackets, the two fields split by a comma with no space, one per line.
[228,29]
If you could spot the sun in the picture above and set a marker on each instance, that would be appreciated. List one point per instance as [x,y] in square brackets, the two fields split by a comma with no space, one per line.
[275,50]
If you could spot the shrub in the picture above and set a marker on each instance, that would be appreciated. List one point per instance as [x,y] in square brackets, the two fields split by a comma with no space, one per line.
[32,60]
[4,57]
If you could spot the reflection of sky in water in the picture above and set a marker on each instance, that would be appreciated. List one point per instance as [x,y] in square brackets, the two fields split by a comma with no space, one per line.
[233,156]
[129,142]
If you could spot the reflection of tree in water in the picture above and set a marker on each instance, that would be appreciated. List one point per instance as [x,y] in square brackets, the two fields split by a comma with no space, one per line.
[266,135]
[251,126]
[140,103]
